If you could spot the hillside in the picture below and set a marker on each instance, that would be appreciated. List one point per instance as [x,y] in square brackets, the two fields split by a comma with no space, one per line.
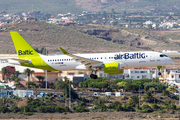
[77,6]
[139,38]
[128,5]
[79,38]
[41,34]
[47,6]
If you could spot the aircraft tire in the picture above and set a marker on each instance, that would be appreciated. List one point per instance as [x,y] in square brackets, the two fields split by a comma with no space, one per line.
[92,76]
[95,76]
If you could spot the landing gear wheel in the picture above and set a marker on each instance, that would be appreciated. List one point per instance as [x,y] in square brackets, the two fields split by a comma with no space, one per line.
[95,76]
[92,76]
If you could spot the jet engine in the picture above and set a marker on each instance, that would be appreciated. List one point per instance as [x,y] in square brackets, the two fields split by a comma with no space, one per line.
[113,68]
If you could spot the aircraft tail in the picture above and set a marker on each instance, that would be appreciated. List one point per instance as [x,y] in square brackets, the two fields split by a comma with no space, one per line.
[23,49]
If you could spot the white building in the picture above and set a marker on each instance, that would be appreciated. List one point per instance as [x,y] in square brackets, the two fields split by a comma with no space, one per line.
[174,76]
[137,74]
[19,93]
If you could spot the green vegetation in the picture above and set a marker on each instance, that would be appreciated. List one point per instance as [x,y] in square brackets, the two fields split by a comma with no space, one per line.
[148,102]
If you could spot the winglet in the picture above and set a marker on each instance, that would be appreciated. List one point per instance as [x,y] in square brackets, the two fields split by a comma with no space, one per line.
[64,51]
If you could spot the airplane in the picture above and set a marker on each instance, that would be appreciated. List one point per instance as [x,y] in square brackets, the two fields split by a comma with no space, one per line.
[111,63]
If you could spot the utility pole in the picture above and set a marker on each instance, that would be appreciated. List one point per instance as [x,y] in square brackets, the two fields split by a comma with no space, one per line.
[65,95]
[139,96]
[179,97]
[46,71]
[69,95]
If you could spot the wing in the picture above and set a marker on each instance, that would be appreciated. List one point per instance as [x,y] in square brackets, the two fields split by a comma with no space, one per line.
[87,62]
[20,60]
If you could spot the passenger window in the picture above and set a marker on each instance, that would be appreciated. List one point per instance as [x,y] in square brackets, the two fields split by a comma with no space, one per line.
[64,59]
[53,60]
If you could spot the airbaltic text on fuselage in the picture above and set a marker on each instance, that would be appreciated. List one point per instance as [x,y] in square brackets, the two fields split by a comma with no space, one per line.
[130,56]
[25,52]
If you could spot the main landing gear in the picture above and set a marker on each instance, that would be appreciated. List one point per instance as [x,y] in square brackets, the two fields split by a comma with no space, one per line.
[93,76]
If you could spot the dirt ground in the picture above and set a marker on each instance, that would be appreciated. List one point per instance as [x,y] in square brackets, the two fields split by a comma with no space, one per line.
[90,116]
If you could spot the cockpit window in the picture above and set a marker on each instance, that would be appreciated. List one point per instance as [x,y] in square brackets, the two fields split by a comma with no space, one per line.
[163,55]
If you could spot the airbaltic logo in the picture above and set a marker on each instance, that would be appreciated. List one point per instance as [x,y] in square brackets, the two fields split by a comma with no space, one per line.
[130,56]
[25,52]
[111,67]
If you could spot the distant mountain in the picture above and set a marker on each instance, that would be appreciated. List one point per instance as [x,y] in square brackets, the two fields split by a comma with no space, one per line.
[119,5]
[77,6]
[48,6]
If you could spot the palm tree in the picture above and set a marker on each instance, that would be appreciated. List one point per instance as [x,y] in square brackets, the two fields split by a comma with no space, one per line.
[16,73]
[32,71]
[4,71]
[39,77]
[27,72]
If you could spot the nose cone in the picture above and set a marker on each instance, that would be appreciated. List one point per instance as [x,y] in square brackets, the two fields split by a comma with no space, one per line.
[169,61]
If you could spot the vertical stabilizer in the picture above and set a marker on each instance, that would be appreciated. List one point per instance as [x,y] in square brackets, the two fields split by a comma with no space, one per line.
[23,49]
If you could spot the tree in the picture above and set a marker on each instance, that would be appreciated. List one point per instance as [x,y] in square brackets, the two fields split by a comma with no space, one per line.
[172,89]
[80,84]
[39,84]
[134,100]
[16,73]
[30,83]
[12,77]
[27,72]
[64,86]
[4,71]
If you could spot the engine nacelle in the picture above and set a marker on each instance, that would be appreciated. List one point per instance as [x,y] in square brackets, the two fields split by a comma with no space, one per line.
[113,68]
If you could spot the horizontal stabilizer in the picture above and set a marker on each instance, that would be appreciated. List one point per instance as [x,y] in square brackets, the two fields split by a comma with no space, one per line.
[20,60]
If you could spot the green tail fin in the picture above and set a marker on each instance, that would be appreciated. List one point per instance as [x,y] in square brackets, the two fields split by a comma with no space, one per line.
[23,49]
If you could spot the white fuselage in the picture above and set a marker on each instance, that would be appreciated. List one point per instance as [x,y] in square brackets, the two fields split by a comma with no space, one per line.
[126,60]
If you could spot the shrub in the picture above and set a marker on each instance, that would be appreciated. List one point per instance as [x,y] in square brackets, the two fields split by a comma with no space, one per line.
[119,108]
[81,109]
[154,106]
[37,103]
[15,109]
[128,108]
[114,105]
[3,109]
[59,109]
[146,109]
[45,109]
